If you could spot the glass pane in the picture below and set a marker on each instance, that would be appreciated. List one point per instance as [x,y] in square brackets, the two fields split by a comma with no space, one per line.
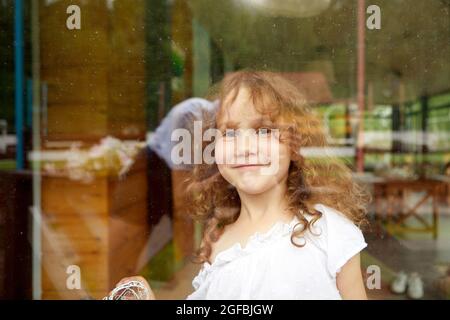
[104,166]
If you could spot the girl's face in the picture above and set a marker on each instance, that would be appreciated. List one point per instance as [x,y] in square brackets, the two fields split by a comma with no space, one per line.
[248,152]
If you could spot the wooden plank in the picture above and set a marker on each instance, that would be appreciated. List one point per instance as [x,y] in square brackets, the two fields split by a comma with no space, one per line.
[68,86]
[91,41]
[127,225]
[132,104]
[126,66]
[123,261]
[128,191]
[90,120]
[62,196]
[72,295]
[75,235]
[93,272]
[57,54]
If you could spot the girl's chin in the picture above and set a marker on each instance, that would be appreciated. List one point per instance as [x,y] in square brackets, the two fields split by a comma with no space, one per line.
[253,189]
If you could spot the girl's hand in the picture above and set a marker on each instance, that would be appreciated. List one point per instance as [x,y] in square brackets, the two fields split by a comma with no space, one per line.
[141,280]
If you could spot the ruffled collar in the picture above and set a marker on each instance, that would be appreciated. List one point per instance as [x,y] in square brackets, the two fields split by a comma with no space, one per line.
[256,241]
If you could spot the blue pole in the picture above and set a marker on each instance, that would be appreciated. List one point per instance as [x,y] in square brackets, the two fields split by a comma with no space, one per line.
[18,71]
[29,104]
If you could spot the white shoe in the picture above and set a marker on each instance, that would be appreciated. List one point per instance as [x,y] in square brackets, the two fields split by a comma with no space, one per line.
[400,283]
[415,286]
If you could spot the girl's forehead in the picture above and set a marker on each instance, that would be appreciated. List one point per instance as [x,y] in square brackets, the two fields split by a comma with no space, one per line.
[239,116]
[238,108]
[240,101]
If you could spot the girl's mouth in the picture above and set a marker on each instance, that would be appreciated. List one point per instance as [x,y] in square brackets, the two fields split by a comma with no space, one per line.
[250,166]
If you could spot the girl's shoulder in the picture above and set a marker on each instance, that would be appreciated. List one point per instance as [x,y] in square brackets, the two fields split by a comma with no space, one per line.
[337,236]
[333,220]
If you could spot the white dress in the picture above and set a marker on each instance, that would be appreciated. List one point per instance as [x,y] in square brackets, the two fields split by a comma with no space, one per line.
[271,267]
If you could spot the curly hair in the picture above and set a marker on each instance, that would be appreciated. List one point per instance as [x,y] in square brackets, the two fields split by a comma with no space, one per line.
[311,180]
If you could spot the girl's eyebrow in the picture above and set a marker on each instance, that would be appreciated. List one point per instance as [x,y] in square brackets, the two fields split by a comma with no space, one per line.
[261,122]
[253,124]
[230,124]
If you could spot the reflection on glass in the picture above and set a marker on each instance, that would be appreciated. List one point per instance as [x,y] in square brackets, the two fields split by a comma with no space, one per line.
[87,198]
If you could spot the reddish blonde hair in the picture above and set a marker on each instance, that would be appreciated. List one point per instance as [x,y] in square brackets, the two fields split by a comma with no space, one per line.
[326,180]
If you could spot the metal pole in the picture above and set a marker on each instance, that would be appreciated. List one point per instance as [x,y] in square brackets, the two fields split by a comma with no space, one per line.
[19,82]
[36,136]
[360,84]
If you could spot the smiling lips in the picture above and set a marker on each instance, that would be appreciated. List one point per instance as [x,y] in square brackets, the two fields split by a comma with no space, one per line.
[249,166]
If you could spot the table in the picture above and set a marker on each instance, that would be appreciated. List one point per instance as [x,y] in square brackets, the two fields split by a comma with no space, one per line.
[393,192]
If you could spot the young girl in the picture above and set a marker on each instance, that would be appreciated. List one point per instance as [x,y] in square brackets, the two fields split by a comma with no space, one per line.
[287,233]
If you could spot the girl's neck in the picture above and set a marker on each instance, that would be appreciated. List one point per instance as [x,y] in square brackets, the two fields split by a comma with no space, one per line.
[269,206]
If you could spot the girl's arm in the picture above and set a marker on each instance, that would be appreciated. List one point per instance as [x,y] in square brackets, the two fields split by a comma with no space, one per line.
[350,282]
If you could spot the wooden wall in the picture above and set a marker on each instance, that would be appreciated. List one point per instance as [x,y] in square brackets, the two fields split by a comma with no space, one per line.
[100,226]
[99,83]
[95,80]
[95,75]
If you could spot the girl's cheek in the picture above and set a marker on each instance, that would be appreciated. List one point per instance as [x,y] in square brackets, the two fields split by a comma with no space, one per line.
[224,152]
[269,150]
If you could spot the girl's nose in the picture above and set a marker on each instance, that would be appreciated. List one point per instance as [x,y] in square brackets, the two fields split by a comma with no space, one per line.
[247,143]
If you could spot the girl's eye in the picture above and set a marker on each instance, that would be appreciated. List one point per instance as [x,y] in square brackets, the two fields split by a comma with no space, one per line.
[229,133]
[264,131]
